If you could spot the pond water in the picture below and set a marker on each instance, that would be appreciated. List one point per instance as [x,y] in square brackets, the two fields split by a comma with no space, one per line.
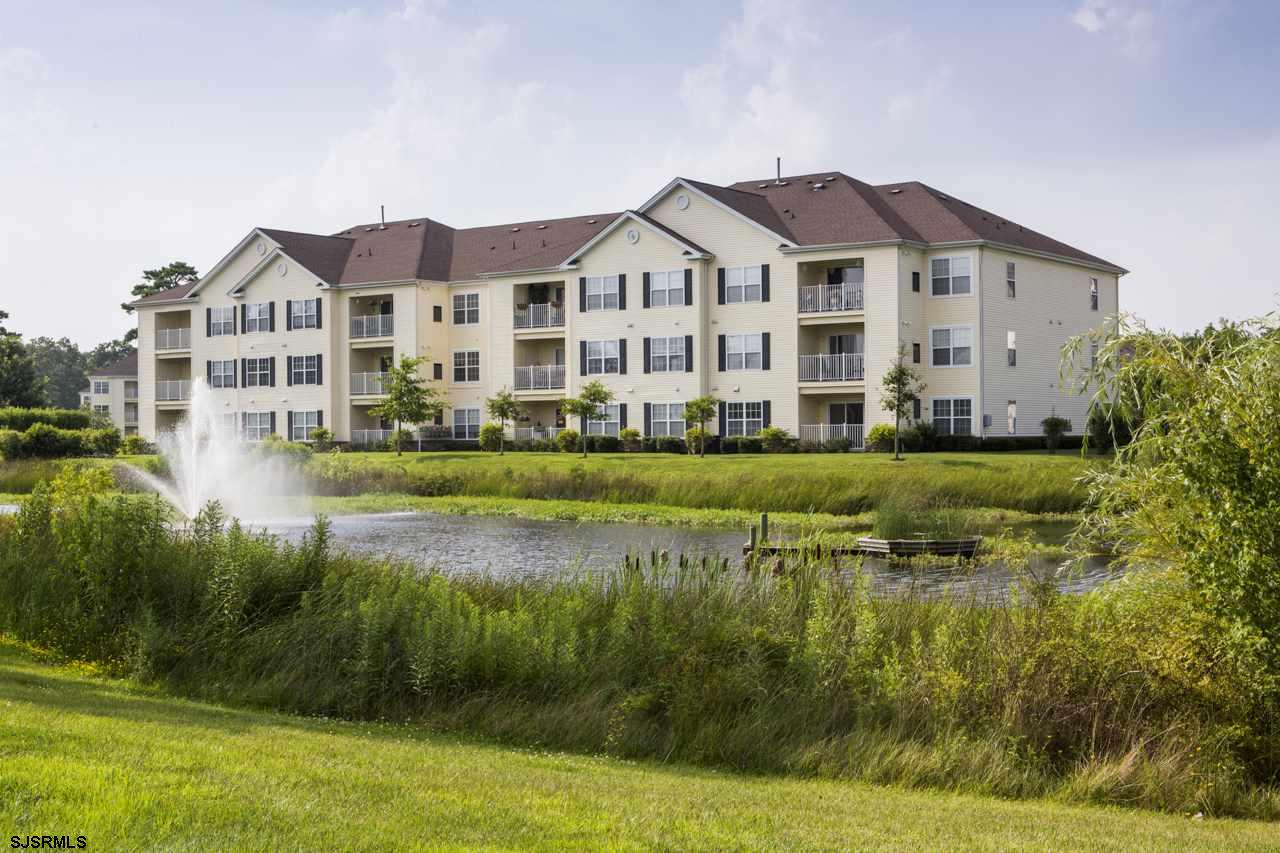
[525,547]
[8,509]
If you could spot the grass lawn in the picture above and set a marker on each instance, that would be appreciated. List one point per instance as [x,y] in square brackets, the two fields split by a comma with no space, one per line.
[130,769]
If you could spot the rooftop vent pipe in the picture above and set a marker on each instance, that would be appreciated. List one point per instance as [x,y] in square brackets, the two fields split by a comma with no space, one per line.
[383,209]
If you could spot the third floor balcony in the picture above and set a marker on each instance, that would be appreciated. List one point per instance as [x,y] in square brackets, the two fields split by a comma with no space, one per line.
[825,298]
[170,339]
[539,316]
[373,326]
[844,367]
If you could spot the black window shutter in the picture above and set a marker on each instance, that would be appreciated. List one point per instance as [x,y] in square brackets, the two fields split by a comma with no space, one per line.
[582,356]
[915,353]
[273,423]
[320,416]
[915,408]
[648,419]
[437,313]
[244,373]
[233,373]
[244,318]
[288,315]
[724,415]
[439,421]
[764,282]
[646,355]
[720,348]
[622,355]
[622,416]
[720,286]
[622,291]
[271,316]
[688,286]
[288,369]
[319,369]
[319,315]
[644,291]
[208,322]
[208,373]
[271,370]
[768,413]
[437,370]
[688,353]
[289,425]
[582,296]
[915,282]
[244,418]
[764,351]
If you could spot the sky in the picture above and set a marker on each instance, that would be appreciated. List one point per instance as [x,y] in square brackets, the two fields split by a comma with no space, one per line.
[133,134]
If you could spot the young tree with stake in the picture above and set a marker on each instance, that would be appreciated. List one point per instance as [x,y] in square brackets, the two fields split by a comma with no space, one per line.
[505,407]
[408,400]
[700,410]
[901,387]
[587,406]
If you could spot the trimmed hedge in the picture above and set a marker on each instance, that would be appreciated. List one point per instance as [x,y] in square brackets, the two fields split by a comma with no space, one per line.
[42,441]
[23,419]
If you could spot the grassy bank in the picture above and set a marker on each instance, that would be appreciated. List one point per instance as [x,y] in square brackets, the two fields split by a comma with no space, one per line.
[130,768]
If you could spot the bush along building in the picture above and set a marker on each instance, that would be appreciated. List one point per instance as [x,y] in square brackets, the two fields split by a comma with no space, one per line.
[786,298]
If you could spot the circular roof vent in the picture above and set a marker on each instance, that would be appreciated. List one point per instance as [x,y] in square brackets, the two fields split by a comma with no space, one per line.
[633,235]
[682,202]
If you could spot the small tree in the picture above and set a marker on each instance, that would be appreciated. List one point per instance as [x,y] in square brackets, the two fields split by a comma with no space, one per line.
[505,407]
[1054,428]
[408,399]
[901,387]
[700,410]
[587,406]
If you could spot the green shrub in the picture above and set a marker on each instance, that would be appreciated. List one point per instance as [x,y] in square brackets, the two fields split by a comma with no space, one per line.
[750,444]
[630,438]
[1054,429]
[920,437]
[102,442]
[23,419]
[276,446]
[135,445]
[954,443]
[10,444]
[776,439]
[321,439]
[695,438]
[405,439]
[491,437]
[603,444]
[670,444]
[837,444]
[1108,428]
[730,444]
[879,438]
[569,440]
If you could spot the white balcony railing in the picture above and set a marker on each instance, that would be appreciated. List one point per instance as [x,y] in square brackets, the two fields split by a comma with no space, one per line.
[173,339]
[370,436]
[373,326]
[171,390]
[539,316]
[367,383]
[539,377]
[822,433]
[816,298]
[831,368]
[536,433]
[131,391]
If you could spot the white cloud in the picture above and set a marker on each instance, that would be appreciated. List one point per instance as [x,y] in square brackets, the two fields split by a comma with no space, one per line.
[1135,25]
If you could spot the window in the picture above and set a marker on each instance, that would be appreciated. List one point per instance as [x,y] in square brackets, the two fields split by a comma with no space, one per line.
[953,416]
[951,276]
[466,309]
[915,282]
[304,370]
[466,423]
[666,419]
[1093,294]
[666,288]
[915,353]
[666,355]
[611,423]
[1012,416]
[1011,279]
[915,408]
[222,374]
[101,386]
[257,373]
[1093,354]
[222,321]
[257,318]
[437,313]
[466,365]
[602,293]
[257,425]
[602,357]
[1012,346]
[302,423]
[743,352]
[437,370]
[102,409]
[744,418]
[303,314]
[952,346]
[742,284]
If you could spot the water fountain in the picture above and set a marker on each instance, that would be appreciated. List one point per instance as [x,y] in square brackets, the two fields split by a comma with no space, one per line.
[209,461]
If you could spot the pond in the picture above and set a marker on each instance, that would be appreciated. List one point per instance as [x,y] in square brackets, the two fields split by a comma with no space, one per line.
[514,546]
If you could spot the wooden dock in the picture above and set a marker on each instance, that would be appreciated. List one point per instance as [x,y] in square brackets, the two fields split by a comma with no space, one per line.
[758,544]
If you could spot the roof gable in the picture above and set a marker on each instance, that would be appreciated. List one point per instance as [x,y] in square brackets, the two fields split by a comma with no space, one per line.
[749,207]
[689,249]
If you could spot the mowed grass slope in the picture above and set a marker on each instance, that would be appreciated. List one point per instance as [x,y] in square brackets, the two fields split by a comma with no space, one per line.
[132,769]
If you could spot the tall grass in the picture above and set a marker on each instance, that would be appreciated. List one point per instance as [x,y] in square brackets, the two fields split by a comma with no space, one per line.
[1114,696]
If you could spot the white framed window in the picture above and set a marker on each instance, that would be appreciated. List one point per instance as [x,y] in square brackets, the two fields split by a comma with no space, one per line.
[666,288]
[303,423]
[1012,346]
[222,374]
[666,419]
[101,386]
[102,409]
[257,372]
[1011,279]
[1093,354]
[303,314]
[951,276]
[466,365]
[951,346]
[466,309]
[222,321]
[602,357]
[1093,294]
[466,423]
[741,284]
[666,355]
[257,317]
[953,415]
[602,293]
[257,425]
[610,425]
[1011,414]
[306,370]
[743,352]
[743,418]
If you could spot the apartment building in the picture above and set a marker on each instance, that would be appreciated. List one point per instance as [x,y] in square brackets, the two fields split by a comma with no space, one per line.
[113,392]
[786,298]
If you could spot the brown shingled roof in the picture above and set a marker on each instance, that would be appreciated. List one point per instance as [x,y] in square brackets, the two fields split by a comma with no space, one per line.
[127,366]
[165,295]
[538,244]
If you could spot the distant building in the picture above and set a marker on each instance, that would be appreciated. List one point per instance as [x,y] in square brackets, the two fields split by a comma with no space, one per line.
[113,391]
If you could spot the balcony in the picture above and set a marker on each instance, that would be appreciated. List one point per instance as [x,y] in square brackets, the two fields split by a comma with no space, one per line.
[846,367]
[539,316]
[131,391]
[173,390]
[171,339]
[536,433]
[824,298]
[539,377]
[373,326]
[367,383]
[822,433]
